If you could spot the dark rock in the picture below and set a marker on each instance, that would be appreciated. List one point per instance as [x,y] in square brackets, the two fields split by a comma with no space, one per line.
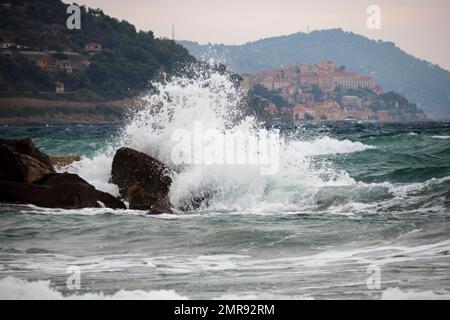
[132,167]
[66,196]
[27,147]
[20,167]
[57,190]
[109,201]
[27,176]
[142,180]
[56,179]
[139,199]
[161,206]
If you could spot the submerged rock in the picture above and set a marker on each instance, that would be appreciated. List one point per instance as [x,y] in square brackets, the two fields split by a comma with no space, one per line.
[64,161]
[142,180]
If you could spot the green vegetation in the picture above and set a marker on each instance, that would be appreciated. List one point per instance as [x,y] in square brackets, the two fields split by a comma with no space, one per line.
[317,93]
[19,74]
[394,103]
[125,65]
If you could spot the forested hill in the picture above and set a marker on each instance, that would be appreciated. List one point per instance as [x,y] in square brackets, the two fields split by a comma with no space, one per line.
[105,59]
[422,82]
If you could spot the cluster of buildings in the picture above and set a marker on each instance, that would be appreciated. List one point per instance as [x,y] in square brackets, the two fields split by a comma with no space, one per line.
[52,61]
[296,78]
[296,84]
[328,109]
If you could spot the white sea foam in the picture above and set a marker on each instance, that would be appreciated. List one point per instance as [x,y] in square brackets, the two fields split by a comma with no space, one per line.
[12,288]
[216,103]
[441,137]
[96,171]
[398,294]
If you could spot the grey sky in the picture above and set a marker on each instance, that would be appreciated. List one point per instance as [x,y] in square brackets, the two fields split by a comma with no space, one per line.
[419,27]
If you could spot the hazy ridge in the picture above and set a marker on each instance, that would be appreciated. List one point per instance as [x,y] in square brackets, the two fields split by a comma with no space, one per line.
[421,81]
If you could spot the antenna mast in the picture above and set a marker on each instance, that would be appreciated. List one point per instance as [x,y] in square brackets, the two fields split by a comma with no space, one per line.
[173,31]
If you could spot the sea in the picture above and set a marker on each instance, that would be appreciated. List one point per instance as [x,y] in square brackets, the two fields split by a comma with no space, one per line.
[355,210]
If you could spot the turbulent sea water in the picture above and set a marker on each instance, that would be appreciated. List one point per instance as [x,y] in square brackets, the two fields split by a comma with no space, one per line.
[350,201]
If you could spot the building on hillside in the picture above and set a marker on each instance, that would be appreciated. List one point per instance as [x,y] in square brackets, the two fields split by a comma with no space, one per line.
[247,82]
[51,65]
[295,83]
[81,64]
[384,116]
[326,83]
[329,110]
[298,112]
[377,89]
[306,97]
[286,112]
[59,87]
[326,66]
[65,66]
[308,74]
[351,80]
[92,47]
[351,102]
[46,63]
[7,43]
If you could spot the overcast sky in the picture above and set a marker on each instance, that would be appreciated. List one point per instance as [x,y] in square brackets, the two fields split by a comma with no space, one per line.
[419,27]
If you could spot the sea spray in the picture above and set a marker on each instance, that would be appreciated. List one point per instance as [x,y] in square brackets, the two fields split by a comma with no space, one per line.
[213,100]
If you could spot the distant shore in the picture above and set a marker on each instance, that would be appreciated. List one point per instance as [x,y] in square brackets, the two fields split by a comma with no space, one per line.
[20,110]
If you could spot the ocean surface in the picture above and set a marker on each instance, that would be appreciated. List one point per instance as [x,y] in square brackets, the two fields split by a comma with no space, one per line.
[355,211]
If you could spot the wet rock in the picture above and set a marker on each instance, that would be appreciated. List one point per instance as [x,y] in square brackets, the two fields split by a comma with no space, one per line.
[142,180]
[27,147]
[19,167]
[139,199]
[57,190]
[27,176]
[109,201]
[161,206]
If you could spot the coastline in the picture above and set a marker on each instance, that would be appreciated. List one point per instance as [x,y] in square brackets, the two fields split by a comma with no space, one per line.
[22,111]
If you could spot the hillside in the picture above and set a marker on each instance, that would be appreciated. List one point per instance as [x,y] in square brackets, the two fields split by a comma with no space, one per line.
[106,59]
[426,84]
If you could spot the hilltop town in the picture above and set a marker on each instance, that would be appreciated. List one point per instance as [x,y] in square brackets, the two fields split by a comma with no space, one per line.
[108,61]
[324,91]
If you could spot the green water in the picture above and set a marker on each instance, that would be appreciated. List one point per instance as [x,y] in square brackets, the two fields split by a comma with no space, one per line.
[394,215]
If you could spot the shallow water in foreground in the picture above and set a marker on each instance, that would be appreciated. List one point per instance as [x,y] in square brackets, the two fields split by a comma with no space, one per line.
[390,211]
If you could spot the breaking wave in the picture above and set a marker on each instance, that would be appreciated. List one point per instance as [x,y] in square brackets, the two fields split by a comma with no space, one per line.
[304,179]
[12,288]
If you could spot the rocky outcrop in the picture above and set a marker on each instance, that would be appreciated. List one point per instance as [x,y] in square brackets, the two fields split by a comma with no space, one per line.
[20,161]
[27,147]
[139,199]
[57,190]
[161,206]
[143,181]
[27,176]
